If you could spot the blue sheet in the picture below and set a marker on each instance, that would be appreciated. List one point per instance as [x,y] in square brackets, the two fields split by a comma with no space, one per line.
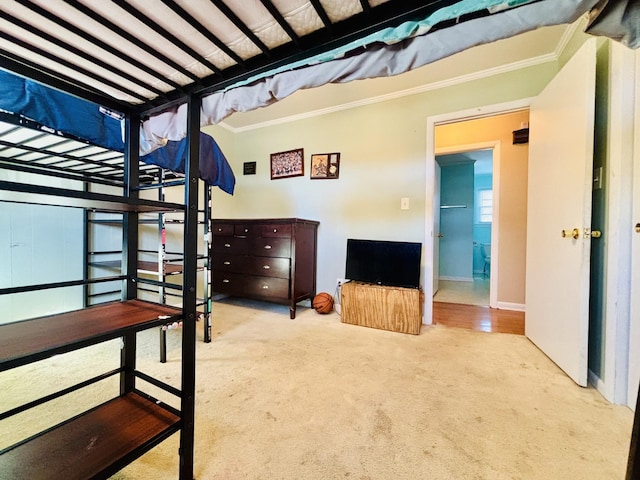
[88,121]
[214,168]
[60,111]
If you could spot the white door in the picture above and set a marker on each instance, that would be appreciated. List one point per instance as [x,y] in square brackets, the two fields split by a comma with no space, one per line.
[436,230]
[559,199]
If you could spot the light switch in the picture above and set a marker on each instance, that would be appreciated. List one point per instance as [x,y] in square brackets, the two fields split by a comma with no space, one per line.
[404,203]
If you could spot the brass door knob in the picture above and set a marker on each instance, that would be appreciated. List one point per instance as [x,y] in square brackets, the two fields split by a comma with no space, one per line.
[637,227]
[575,233]
[596,233]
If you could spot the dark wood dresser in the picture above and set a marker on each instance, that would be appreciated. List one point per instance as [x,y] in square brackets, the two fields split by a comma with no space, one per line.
[271,259]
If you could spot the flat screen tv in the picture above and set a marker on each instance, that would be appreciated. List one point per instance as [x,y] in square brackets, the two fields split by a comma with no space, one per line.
[381,262]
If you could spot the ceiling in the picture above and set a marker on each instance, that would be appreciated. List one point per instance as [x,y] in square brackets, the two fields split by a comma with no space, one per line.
[538,46]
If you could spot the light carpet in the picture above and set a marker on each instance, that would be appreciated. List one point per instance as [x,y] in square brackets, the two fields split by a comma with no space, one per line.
[313,398]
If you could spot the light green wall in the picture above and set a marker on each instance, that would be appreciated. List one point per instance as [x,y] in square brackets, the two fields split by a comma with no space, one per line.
[383,154]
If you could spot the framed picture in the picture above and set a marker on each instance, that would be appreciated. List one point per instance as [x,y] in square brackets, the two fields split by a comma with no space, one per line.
[249,168]
[287,164]
[325,165]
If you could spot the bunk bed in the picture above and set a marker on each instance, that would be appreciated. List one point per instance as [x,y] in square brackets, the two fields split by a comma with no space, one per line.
[161,70]
[69,157]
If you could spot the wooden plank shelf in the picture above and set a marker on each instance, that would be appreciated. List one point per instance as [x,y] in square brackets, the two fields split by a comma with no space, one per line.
[146,267]
[34,339]
[143,266]
[62,197]
[95,444]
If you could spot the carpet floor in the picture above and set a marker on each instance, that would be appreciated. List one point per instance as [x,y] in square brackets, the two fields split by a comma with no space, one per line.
[313,398]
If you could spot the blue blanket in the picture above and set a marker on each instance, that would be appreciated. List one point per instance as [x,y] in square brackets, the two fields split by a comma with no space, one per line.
[214,168]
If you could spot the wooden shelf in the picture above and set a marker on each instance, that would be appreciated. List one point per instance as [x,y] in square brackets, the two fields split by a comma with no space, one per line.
[34,339]
[62,197]
[95,444]
[143,266]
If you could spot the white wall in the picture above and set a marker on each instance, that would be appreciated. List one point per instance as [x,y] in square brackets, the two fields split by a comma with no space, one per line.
[39,244]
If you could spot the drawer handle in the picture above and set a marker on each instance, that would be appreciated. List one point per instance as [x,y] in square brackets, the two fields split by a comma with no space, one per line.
[266,267]
[246,230]
[225,281]
[275,230]
[227,245]
[219,229]
[267,247]
[265,287]
[227,263]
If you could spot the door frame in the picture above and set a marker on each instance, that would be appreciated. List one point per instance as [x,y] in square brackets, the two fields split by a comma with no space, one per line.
[432,122]
[494,146]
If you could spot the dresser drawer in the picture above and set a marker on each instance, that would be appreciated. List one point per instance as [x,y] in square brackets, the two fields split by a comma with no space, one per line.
[225,262]
[267,287]
[229,283]
[275,230]
[225,229]
[271,247]
[246,230]
[230,245]
[269,266]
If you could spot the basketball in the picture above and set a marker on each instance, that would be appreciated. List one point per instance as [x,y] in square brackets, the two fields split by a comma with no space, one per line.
[322,303]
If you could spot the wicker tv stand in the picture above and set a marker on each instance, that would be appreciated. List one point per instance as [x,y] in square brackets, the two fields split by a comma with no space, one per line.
[396,309]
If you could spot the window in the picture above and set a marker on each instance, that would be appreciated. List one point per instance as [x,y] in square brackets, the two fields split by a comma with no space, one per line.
[485,206]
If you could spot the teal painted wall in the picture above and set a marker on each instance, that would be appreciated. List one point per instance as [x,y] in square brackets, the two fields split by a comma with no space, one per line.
[456,224]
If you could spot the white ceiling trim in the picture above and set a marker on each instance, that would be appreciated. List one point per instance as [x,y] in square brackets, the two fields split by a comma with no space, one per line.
[530,62]
[568,33]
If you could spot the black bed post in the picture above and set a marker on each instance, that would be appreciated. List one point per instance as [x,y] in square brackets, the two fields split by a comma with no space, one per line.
[633,462]
[192,175]
[130,245]
[208,232]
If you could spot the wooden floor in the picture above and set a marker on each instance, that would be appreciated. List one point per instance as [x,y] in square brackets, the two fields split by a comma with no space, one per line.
[482,319]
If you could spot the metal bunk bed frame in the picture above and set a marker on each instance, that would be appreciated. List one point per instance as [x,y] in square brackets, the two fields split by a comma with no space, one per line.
[140,89]
[28,147]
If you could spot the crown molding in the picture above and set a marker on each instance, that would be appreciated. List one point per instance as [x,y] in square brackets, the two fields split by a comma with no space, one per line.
[568,33]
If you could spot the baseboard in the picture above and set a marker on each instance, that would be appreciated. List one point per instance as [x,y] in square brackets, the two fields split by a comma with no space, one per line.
[516,307]
[597,382]
[457,279]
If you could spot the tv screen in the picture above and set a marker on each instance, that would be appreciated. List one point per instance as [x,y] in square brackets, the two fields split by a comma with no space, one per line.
[383,262]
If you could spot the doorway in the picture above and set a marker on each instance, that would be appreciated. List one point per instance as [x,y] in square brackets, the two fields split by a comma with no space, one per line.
[465,221]
[487,128]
